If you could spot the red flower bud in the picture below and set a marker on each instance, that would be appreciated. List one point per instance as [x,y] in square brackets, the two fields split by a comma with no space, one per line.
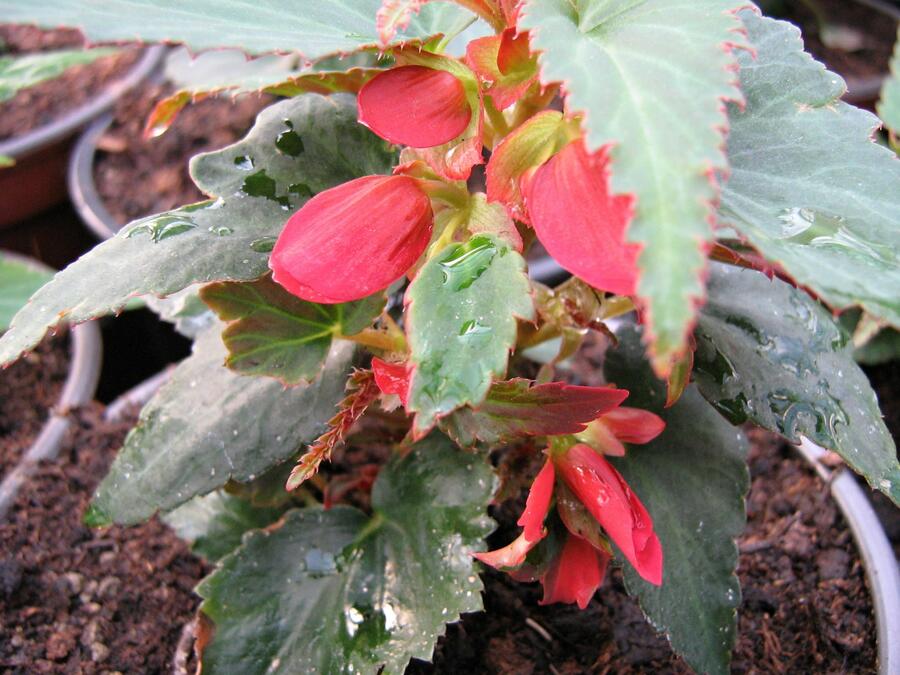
[392,378]
[608,432]
[353,240]
[580,222]
[575,574]
[605,494]
[415,105]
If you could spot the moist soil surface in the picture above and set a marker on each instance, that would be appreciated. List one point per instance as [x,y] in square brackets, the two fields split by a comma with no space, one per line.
[127,159]
[75,600]
[47,101]
[28,391]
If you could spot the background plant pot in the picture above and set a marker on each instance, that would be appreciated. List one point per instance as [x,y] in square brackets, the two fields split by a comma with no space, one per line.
[877,555]
[80,385]
[37,180]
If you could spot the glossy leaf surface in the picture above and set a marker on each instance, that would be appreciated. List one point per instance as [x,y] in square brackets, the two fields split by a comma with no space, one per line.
[208,425]
[650,78]
[462,309]
[214,524]
[322,28]
[808,187]
[518,407]
[271,332]
[334,591]
[258,185]
[693,480]
[769,353]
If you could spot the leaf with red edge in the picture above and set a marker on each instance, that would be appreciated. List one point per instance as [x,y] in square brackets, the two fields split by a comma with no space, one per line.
[580,222]
[329,253]
[519,407]
[271,332]
[505,64]
[527,147]
[361,393]
[394,15]
[680,375]
[651,78]
[415,105]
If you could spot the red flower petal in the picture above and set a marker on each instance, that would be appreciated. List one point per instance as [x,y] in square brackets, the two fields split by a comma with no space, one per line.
[579,222]
[605,494]
[414,105]
[511,555]
[576,574]
[633,425]
[392,378]
[538,503]
[526,147]
[353,240]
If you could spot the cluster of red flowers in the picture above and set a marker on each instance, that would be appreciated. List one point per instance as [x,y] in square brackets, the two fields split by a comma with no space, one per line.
[356,239]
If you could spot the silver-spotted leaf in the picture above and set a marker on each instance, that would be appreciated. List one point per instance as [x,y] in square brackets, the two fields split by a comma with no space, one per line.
[769,353]
[461,323]
[808,187]
[208,425]
[321,28]
[337,592]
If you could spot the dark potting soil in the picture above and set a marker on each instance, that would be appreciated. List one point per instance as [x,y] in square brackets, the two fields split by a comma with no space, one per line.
[29,389]
[137,176]
[47,101]
[76,600]
[877,33]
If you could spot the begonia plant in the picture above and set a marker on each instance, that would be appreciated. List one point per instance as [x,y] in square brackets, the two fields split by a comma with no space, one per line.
[364,258]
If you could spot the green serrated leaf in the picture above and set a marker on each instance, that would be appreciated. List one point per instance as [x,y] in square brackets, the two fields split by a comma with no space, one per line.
[650,77]
[214,524]
[22,71]
[19,278]
[889,105]
[461,323]
[228,239]
[769,353]
[336,592]
[274,333]
[208,425]
[320,29]
[693,480]
[808,187]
